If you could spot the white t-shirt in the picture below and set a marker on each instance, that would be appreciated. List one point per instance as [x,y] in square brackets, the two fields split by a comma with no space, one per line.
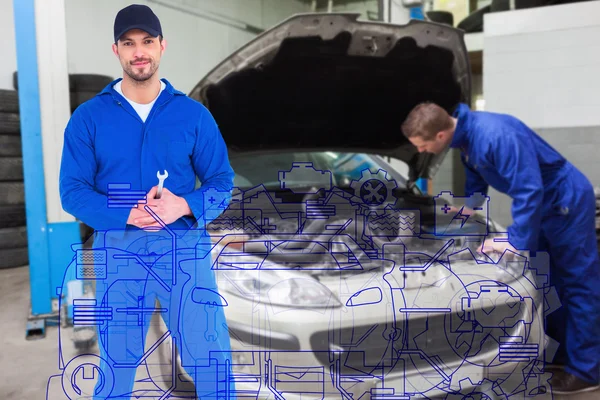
[142,109]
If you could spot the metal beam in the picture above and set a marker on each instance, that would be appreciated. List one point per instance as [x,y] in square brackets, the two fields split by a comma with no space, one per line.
[44,110]
[33,167]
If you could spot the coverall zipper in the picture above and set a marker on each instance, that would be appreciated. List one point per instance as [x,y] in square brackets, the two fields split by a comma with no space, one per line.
[144,125]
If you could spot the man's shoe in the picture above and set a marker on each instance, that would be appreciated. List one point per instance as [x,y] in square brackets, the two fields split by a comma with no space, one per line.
[564,383]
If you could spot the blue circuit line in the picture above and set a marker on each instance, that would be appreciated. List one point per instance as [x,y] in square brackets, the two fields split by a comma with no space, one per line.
[139,259]
[146,354]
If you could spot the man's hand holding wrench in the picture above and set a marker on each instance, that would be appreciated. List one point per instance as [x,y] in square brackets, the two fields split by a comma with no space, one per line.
[167,206]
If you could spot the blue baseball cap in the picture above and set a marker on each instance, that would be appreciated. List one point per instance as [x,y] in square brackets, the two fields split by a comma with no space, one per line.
[136,16]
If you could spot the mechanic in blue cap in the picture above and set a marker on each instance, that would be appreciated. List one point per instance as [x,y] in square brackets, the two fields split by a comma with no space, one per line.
[553,210]
[137,126]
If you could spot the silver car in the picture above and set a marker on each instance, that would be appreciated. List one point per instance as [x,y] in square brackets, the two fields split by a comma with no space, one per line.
[342,278]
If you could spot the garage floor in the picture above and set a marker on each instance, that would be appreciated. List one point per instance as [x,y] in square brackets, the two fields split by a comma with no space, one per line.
[25,366]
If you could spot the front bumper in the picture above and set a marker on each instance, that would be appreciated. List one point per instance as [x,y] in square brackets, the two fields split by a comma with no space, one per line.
[375,348]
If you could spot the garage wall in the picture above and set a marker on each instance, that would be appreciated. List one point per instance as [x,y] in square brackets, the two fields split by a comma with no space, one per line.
[195,42]
[365,8]
[541,65]
[8,47]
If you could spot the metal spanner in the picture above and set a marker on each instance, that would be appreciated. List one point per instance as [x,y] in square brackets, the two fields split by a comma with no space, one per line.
[161,182]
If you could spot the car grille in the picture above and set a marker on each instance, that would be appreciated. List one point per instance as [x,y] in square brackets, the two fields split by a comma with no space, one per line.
[427,342]
[361,348]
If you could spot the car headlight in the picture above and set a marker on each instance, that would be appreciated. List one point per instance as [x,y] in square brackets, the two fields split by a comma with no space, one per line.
[277,288]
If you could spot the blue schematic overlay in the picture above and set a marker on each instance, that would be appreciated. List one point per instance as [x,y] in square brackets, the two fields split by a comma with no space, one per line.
[308,289]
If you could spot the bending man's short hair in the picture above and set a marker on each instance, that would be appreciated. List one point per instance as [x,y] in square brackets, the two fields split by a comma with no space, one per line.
[425,121]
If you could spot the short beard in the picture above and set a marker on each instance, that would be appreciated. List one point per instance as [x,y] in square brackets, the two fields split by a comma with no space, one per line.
[141,79]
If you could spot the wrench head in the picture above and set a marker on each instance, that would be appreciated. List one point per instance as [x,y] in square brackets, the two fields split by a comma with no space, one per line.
[210,337]
[163,176]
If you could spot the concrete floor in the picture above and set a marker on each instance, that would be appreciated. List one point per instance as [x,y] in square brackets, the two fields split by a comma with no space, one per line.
[26,366]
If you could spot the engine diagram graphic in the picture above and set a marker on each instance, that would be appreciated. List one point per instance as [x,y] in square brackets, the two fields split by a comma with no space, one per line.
[308,289]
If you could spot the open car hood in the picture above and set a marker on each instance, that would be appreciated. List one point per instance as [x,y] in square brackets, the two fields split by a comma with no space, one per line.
[328,82]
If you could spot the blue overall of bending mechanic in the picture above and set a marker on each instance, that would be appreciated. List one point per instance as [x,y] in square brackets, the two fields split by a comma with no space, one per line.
[138,126]
[553,210]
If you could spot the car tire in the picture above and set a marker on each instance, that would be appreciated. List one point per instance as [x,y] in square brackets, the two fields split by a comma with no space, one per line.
[10,123]
[11,169]
[78,82]
[9,101]
[15,80]
[88,82]
[12,216]
[442,17]
[504,5]
[11,238]
[12,193]
[78,98]
[16,257]
[474,22]
[10,146]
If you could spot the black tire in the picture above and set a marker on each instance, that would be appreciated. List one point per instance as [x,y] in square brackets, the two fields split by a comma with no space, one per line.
[10,146]
[504,5]
[12,238]
[10,123]
[88,82]
[442,17]
[474,22]
[12,193]
[12,216]
[9,101]
[11,169]
[16,80]
[79,82]
[78,98]
[10,258]
[85,231]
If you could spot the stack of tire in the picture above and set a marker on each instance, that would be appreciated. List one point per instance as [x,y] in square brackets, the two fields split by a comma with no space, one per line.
[82,87]
[13,230]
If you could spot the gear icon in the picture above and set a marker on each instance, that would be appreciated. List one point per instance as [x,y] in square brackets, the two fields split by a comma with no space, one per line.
[375,190]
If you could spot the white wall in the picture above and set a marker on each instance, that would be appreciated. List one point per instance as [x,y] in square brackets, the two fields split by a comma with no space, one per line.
[195,44]
[8,47]
[542,64]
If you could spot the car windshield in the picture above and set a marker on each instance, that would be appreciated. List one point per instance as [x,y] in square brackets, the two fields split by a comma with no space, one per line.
[271,169]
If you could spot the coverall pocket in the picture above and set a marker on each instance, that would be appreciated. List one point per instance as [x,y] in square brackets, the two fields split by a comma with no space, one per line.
[179,165]
[179,154]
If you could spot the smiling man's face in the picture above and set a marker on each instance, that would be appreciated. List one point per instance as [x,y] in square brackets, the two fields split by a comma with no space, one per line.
[139,54]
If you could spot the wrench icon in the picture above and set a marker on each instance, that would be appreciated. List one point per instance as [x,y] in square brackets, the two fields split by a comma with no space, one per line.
[161,182]
[211,322]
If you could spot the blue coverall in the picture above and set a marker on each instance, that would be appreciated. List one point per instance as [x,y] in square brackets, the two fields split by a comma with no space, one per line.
[106,142]
[553,210]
